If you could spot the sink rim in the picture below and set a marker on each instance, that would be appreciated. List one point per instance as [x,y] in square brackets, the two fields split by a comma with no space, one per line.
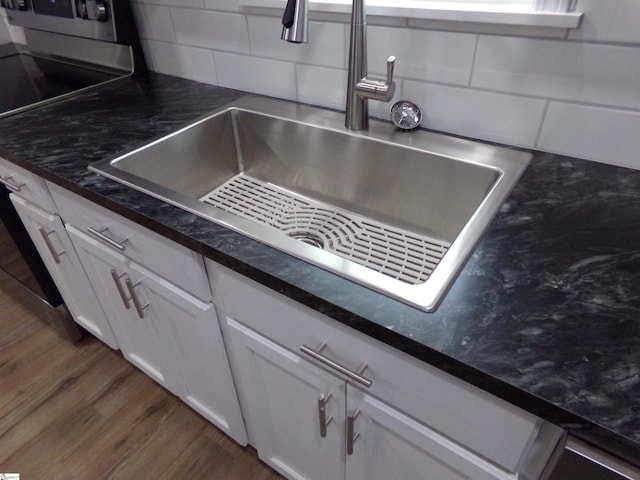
[509,164]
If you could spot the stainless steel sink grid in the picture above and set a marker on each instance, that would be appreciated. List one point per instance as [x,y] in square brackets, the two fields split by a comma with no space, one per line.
[385,249]
[397,212]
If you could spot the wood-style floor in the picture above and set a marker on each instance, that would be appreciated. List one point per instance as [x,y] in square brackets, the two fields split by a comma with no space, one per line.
[80,411]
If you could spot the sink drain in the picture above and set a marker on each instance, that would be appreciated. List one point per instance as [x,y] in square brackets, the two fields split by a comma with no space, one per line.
[308,238]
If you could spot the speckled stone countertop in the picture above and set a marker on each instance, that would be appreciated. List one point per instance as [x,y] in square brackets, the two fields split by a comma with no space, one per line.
[546,313]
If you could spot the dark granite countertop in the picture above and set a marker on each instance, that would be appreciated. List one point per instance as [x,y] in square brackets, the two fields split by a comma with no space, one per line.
[546,313]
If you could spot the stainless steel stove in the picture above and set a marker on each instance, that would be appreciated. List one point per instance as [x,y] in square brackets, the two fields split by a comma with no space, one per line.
[71,46]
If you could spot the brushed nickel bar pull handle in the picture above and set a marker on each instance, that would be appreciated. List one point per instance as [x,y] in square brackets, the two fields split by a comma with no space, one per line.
[350,432]
[123,296]
[10,185]
[353,375]
[47,241]
[134,297]
[109,241]
[322,414]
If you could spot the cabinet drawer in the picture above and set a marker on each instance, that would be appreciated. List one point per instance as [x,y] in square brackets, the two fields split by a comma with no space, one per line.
[490,427]
[26,185]
[172,261]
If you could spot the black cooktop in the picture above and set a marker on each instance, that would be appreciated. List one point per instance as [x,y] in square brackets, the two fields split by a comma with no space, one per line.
[28,80]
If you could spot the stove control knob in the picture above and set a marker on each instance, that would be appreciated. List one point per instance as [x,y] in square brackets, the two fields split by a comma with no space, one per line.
[102,14]
[81,9]
[23,5]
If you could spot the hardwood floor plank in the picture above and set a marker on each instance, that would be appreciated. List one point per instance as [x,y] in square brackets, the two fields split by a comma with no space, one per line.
[80,411]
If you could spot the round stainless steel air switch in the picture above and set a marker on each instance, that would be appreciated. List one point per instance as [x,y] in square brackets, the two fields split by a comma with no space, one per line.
[406,115]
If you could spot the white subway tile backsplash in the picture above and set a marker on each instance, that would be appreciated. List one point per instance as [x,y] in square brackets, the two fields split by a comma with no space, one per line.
[488,28]
[381,110]
[321,86]
[490,116]
[154,22]
[608,21]
[483,81]
[583,72]
[258,75]
[215,30]
[223,5]
[381,20]
[444,57]
[326,46]
[181,61]
[594,133]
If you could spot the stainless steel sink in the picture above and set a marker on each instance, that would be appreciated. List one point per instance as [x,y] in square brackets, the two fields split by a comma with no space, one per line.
[398,212]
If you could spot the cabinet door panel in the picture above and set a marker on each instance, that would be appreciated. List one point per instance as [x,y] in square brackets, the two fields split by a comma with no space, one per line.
[281,393]
[392,445]
[193,335]
[139,338]
[65,268]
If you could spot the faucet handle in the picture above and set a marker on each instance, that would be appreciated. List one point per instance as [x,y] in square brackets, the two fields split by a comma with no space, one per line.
[378,89]
[391,61]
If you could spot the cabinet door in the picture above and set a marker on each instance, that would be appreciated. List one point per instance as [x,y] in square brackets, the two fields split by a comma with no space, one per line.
[195,342]
[57,252]
[387,444]
[283,396]
[126,302]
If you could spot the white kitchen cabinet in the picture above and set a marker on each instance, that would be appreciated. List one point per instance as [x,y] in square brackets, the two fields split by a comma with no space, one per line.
[199,353]
[305,429]
[50,238]
[414,421]
[286,396]
[136,326]
[168,333]
[384,443]
[38,213]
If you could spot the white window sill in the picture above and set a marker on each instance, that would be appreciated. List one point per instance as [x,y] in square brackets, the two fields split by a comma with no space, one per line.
[443,11]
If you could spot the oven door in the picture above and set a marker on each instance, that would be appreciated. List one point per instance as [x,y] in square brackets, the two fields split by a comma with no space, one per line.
[19,257]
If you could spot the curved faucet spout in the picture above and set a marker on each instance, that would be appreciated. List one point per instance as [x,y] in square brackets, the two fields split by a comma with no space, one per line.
[360,88]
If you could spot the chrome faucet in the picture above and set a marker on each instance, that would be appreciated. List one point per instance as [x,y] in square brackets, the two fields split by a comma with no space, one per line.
[360,88]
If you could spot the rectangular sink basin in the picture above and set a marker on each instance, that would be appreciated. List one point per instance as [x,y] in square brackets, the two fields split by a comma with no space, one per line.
[395,211]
